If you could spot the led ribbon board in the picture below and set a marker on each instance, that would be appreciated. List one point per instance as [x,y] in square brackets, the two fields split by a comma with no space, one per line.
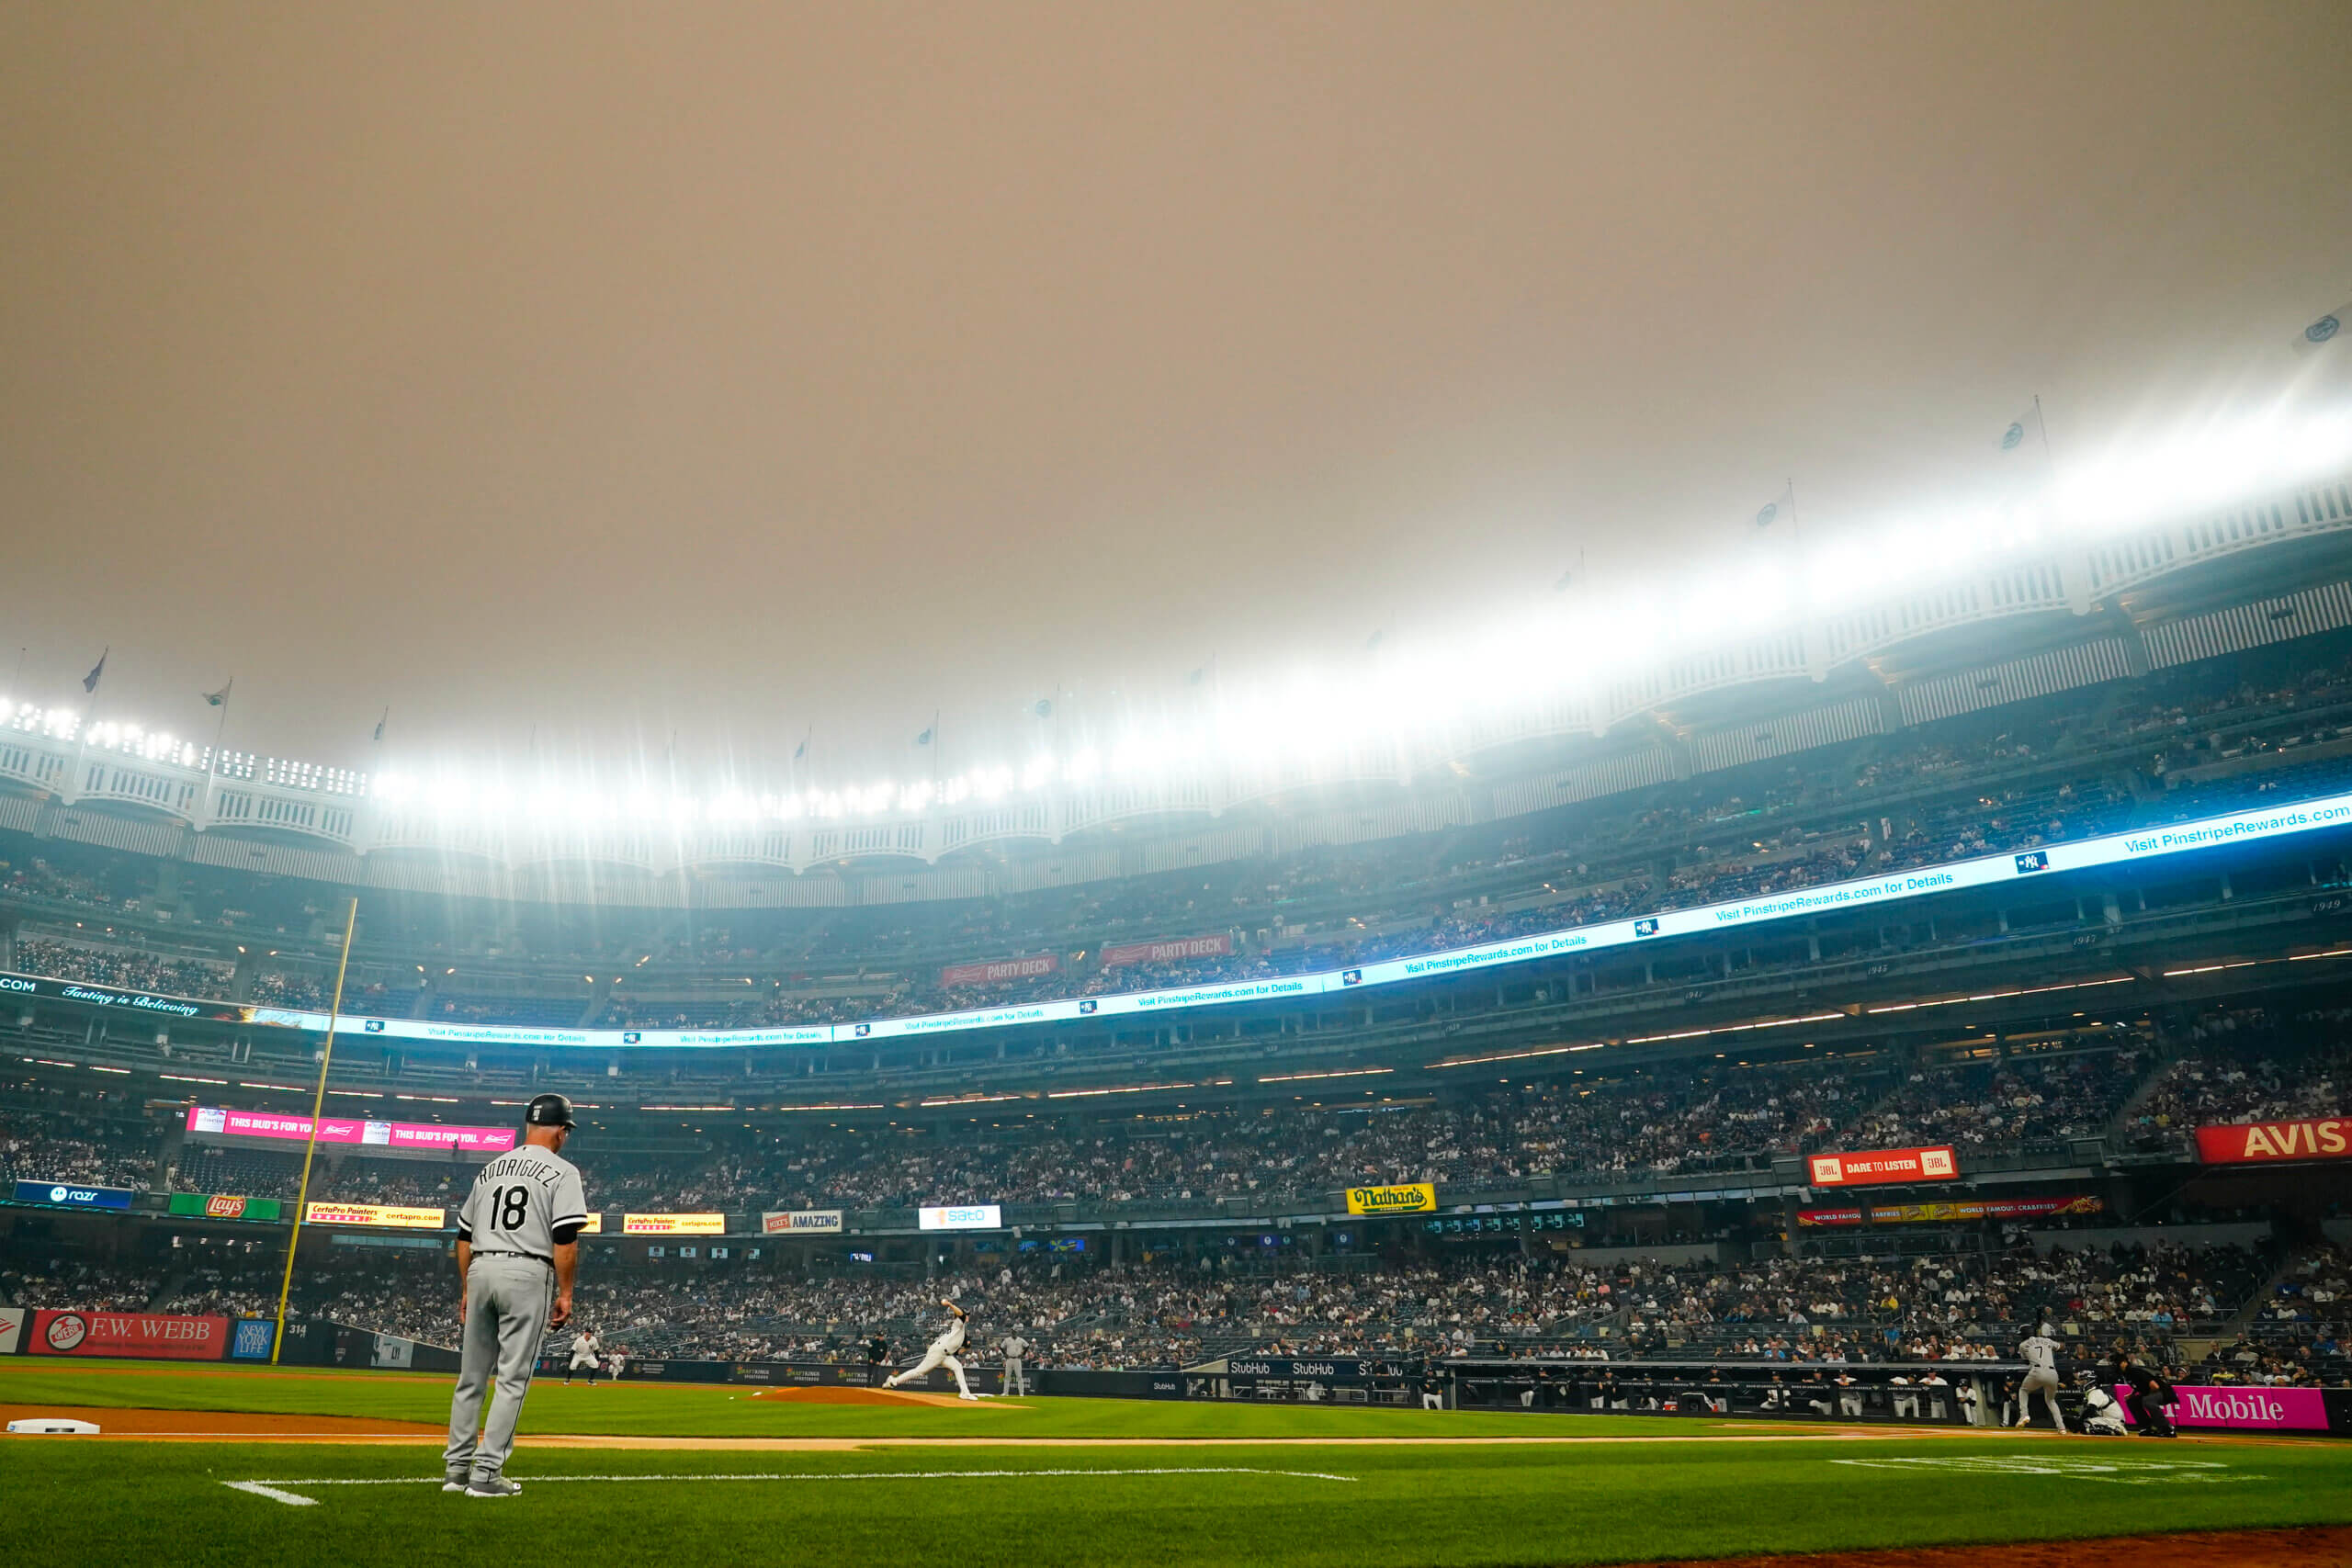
[1987,870]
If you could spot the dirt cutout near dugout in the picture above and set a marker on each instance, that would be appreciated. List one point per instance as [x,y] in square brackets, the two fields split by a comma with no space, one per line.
[2317,1545]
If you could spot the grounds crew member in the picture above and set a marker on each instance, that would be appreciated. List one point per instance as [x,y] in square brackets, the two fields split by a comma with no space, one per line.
[583,1358]
[1015,1382]
[518,1250]
[2041,1353]
[878,1355]
[942,1353]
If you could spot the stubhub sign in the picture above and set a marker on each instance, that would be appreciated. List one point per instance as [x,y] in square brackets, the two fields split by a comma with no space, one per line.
[72,1195]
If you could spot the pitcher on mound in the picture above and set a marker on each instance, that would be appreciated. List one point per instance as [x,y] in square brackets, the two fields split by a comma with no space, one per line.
[941,1354]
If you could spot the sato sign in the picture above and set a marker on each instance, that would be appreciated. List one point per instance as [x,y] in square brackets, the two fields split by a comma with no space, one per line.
[961,1217]
[2257,1143]
[147,1334]
[1876,1166]
[800,1220]
[215,1120]
[73,1195]
[1411,1198]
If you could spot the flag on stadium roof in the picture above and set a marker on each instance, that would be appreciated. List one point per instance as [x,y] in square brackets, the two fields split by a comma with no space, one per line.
[1781,508]
[2325,330]
[220,697]
[2025,429]
[90,682]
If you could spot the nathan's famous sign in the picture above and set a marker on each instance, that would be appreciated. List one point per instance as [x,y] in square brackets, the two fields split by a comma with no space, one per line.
[1411,1198]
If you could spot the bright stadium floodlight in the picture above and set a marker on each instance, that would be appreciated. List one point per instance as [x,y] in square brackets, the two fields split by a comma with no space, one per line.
[2197,468]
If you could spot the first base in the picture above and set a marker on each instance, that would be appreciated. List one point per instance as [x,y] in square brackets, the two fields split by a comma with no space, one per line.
[54,1425]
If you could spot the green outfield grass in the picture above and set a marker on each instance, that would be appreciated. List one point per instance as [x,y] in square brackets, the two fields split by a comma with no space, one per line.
[71,1502]
[649,1409]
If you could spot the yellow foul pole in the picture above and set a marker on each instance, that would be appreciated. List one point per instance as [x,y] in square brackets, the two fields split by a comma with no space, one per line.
[311,1147]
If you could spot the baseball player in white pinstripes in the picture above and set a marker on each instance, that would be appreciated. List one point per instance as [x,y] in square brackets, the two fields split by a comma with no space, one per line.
[942,1353]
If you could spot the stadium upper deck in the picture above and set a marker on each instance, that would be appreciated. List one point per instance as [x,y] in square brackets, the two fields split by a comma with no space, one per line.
[2019,620]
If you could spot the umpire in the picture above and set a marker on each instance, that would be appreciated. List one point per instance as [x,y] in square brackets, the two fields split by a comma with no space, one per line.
[518,1250]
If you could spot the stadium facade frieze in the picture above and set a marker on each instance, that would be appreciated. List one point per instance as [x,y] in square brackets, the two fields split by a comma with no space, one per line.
[2138,846]
[342,826]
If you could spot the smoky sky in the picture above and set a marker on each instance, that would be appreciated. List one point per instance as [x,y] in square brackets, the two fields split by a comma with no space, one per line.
[601,372]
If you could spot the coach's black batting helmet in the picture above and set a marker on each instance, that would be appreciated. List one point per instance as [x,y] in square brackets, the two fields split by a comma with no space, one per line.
[549,1110]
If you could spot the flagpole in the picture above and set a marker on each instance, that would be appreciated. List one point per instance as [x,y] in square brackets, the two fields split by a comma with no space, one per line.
[2041,423]
[310,1146]
[212,762]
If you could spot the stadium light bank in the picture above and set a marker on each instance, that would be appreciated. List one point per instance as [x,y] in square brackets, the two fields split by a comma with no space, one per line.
[1413,692]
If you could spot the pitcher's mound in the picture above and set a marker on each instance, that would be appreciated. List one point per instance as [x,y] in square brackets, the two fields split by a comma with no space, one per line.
[845,1395]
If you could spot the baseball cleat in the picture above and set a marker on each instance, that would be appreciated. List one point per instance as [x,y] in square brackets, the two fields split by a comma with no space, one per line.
[493,1486]
[455,1481]
[973,1397]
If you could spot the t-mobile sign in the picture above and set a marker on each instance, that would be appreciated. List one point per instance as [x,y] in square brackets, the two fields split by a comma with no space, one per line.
[216,1121]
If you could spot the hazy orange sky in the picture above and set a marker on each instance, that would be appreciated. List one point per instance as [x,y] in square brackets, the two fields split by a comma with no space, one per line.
[622,370]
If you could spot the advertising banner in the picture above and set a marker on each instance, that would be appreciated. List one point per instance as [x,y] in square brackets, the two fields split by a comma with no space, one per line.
[1870,1166]
[12,1330]
[1410,1198]
[36,986]
[673,1225]
[800,1220]
[253,1339]
[221,1206]
[1167,951]
[73,1195]
[386,1214]
[997,969]
[213,1121]
[960,1217]
[1988,1209]
[147,1334]
[2243,1409]
[2258,1143]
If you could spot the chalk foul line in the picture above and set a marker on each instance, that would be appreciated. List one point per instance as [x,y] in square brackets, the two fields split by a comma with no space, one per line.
[277,1490]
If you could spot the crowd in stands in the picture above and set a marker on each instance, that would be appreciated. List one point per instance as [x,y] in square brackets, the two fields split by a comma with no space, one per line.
[1957,1306]
[2250,1064]
[59,1147]
[125,968]
[2008,780]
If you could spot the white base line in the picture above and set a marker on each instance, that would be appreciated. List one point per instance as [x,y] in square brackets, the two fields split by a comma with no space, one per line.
[272,1489]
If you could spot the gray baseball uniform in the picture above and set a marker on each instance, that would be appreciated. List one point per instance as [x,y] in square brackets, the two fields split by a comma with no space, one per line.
[522,1204]
[1016,1381]
[2040,1355]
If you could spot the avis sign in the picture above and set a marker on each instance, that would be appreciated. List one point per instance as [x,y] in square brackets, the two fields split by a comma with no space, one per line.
[2255,1143]
[1873,1167]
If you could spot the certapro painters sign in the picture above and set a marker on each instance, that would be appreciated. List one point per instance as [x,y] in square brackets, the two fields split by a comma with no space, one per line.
[1408,1198]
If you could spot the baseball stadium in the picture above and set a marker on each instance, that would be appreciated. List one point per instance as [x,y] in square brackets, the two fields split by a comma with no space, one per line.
[1071,787]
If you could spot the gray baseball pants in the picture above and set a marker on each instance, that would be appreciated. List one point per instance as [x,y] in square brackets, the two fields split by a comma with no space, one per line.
[2046,1386]
[1016,1381]
[507,1302]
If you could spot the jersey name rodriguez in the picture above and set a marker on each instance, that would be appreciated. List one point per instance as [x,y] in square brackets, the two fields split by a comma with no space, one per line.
[528,1201]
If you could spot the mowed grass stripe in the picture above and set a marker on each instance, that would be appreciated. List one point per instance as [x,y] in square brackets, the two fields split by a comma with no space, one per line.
[722,1410]
[1410,1508]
